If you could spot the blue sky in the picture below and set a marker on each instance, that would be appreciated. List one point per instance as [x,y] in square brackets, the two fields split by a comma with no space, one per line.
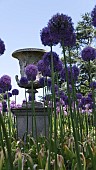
[21,22]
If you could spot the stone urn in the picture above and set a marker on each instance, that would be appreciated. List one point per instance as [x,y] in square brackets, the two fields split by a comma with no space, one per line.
[24,114]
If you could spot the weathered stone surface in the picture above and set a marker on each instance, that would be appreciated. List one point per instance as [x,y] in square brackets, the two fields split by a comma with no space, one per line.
[41,115]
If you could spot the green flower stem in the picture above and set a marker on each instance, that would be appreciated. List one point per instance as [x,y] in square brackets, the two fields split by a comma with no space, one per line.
[33,114]
[27,114]
[9,117]
[71,113]
[8,143]
[76,110]
[1,142]
[44,94]
[54,105]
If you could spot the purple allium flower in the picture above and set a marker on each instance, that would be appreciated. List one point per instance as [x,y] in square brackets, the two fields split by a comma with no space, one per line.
[88,53]
[30,97]
[83,101]
[61,29]
[93,84]
[42,81]
[5,95]
[41,65]
[47,72]
[58,66]
[88,100]
[47,58]
[23,81]
[2,47]
[1,91]
[74,74]
[90,95]
[43,68]
[31,71]
[75,70]
[79,96]
[18,106]
[5,82]
[56,88]
[4,106]
[46,37]
[91,106]
[49,82]
[15,92]
[93,16]
[12,104]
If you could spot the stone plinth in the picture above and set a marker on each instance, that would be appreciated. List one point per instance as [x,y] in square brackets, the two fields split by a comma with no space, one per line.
[21,121]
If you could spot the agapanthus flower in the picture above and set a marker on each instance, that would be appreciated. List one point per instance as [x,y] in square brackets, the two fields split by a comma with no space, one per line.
[31,72]
[88,53]
[61,29]
[5,82]
[93,84]
[23,81]
[2,47]
[93,16]
[46,37]
[15,92]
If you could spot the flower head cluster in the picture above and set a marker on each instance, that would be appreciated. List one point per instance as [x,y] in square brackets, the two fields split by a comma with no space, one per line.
[71,75]
[4,106]
[93,16]
[15,92]
[62,30]
[6,96]
[23,81]
[93,84]
[46,37]
[44,65]
[5,82]
[31,72]
[59,29]
[2,47]
[88,53]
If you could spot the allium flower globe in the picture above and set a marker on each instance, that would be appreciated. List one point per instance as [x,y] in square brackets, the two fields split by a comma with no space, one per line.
[5,82]
[47,58]
[61,29]
[23,81]
[2,47]
[46,37]
[93,16]
[93,84]
[15,92]
[31,72]
[88,53]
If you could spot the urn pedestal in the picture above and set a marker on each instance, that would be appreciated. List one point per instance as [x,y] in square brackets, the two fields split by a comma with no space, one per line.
[24,115]
[42,123]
